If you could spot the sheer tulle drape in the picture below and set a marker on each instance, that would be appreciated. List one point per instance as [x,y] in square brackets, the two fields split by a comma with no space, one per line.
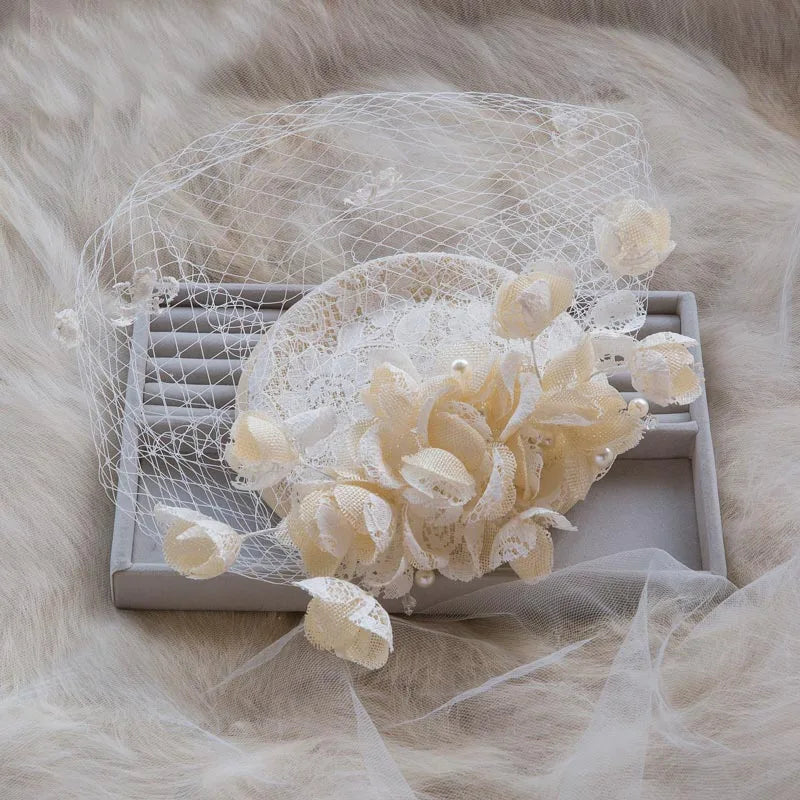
[626,677]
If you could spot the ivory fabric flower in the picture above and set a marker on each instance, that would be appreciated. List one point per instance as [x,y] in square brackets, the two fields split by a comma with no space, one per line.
[263,450]
[632,238]
[259,450]
[663,369]
[456,456]
[345,620]
[527,304]
[195,545]
[341,529]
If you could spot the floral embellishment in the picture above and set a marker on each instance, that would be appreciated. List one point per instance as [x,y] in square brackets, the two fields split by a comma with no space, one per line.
[264,451]
[528,303]
[67,328]
[632,238]
[260,450]
[663,369]
[342,528]
[452,460]
[346,621]
[437,468]
[195,545]
[525,542]
[146,291]
[586,424]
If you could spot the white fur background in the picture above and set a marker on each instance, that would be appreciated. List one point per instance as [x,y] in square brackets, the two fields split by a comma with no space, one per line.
[97,703]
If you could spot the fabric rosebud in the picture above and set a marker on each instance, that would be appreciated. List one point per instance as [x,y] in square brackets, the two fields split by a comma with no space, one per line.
[632,238]
[524,542]
[195,545]
[663,369]
[526,304]
[259,450]
[343,619]
[345,524]
[67,328]
[264,450]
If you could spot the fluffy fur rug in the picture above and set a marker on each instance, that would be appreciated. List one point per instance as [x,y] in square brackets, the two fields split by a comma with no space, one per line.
[98,703]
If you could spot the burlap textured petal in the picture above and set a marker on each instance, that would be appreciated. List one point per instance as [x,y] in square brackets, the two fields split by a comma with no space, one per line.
[528,303]
[663,369]
[195,545]
[346,621]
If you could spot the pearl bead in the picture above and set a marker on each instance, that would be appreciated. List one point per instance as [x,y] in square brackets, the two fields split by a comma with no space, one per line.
[604,457]
[459,366]
[424,578]
[639,407]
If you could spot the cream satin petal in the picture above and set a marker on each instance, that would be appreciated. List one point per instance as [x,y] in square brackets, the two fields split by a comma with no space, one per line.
[573,406]
[195,545]
[539,561]
[397,358]
[257,437]
[303,529]
[391,575]
[334,532]
[528,457]
[310,427]
[470,415]
[481,359]
[372,457]
[514,541]
[259,450]
[368,514]
[526,544]
[529,390]
[439,475]
[415,554]
[346,621]
[548,517]
[433,394]
[464,559]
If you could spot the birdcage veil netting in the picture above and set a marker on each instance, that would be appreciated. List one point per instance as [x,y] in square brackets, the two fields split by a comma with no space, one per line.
[295,198]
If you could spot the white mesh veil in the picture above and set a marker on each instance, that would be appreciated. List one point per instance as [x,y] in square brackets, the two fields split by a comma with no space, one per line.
[299,195]
[339,234]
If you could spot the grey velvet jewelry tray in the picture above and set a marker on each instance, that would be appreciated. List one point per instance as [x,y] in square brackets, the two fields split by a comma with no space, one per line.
[662,494]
